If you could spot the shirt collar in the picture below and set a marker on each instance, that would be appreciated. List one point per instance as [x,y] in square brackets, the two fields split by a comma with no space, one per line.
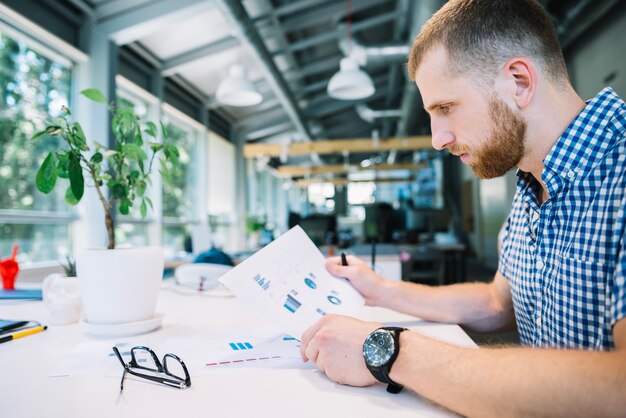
[585,141]
[582,143]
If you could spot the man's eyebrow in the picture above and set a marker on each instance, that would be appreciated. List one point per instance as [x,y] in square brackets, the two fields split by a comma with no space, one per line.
[435,105]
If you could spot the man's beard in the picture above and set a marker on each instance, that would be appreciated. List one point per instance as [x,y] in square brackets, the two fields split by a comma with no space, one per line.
[503,149]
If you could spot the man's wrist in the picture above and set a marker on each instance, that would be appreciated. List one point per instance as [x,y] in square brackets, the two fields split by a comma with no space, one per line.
[404,362]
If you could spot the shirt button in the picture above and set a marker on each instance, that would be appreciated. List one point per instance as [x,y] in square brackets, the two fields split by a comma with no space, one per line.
[539,264]
[571,174]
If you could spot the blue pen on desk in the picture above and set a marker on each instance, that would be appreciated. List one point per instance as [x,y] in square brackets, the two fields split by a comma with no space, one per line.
[344,261]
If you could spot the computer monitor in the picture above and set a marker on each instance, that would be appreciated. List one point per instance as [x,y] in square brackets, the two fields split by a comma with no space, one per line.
[322,229]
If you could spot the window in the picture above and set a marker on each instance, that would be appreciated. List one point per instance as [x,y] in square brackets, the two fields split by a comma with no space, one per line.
[220,203]
[179,199]
[322,196]
[33,88]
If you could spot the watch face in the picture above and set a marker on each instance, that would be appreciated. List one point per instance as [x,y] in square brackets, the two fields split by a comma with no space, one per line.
[378,348]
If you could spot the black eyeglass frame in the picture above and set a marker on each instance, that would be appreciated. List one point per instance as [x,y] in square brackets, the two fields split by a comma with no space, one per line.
[161,367]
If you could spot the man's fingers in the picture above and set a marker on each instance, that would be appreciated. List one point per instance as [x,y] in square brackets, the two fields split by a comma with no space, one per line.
[313,351]
[307,336]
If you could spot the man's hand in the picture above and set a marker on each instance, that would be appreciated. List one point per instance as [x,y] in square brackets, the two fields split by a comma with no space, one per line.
[335,345]
[363,278]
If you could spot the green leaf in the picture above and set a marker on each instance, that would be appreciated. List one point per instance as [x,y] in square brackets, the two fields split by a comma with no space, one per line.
[125,205]
[39,134]
[172,154]
[140,187]
[134,152]
[109,153]
[96,158]
[77,182]
[155,146]
[117,190]
[151,129]
[53,130]
[147,199]
[80,136]
[165,173]
[70,198]
[62,165]
[95,95]
[46,176]
[163,131]
[143,209]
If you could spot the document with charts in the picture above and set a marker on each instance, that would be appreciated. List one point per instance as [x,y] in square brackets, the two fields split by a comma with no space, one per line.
[286,282]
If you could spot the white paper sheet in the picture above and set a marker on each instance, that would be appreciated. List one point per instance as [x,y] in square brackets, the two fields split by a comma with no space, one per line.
[286,282]
[203,354]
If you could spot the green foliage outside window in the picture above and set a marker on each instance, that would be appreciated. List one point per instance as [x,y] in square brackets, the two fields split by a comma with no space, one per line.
[32,89]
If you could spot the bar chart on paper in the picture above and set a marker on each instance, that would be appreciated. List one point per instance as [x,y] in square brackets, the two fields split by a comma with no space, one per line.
[287,282]
[261,352]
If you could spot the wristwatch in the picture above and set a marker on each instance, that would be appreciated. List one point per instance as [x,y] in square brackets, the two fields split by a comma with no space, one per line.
[380,350]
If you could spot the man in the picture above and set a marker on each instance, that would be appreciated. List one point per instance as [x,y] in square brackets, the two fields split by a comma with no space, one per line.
[493,79]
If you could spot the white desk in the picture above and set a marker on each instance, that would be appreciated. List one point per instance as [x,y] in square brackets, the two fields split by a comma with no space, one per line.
[27,392]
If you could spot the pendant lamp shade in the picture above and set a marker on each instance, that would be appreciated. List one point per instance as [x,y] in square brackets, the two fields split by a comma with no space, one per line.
[237,90]
[350,83]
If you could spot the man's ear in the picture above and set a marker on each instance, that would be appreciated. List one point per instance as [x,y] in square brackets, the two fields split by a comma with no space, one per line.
[519,80]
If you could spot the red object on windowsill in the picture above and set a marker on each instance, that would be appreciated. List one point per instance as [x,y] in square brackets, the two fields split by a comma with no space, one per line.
[8,270]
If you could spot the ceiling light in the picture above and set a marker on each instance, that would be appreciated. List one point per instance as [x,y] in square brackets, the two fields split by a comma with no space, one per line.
[350,83]
[237,90]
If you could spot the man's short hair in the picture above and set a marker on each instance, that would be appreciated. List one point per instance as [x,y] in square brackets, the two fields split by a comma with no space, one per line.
[480,36]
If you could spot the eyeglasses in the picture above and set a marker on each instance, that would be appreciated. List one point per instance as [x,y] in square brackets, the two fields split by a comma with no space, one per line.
[144,363]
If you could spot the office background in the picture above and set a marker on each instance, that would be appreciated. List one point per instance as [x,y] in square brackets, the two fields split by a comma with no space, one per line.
[167,59]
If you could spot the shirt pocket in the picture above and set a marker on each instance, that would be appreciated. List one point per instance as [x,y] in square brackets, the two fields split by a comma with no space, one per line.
[579,303]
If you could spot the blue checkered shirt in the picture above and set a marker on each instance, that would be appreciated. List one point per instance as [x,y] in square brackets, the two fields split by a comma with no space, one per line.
[566,259]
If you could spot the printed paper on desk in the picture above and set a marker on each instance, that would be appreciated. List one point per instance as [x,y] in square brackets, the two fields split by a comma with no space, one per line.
[286,281]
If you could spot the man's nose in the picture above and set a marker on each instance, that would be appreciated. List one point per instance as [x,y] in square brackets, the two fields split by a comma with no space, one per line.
[442,137]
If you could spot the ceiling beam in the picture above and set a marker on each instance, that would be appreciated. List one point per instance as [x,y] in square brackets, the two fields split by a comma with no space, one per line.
[130,26]
[332,105]
[343,182]
[338,146]
[112,7]
[326,13]
[271,130]
[171,65]
[338,33]
[302,171]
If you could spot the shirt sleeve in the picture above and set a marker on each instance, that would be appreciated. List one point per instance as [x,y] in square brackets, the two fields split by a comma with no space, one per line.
[503,246]
[618,307]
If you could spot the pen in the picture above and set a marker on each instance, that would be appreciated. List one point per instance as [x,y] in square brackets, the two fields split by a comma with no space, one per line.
[344,262]
[24,333]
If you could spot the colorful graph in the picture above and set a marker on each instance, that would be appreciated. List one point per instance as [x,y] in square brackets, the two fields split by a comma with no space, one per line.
[334,300]
[240,346]
[292,304]
[262,281]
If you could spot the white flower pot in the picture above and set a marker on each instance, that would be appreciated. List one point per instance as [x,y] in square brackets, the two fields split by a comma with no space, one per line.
[120,286]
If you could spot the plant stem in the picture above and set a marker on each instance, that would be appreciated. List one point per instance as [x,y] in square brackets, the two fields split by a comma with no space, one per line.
[108,219]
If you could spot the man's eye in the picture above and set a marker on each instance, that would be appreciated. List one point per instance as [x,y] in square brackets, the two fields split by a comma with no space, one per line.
[444,108]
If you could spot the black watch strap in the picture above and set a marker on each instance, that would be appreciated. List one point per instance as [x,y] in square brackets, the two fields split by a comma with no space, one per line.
[381,373]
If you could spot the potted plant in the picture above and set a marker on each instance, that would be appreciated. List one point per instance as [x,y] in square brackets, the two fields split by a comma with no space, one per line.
[117,285]
[254,225]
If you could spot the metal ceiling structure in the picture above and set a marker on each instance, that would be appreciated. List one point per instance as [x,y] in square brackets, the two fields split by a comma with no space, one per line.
[291,49]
